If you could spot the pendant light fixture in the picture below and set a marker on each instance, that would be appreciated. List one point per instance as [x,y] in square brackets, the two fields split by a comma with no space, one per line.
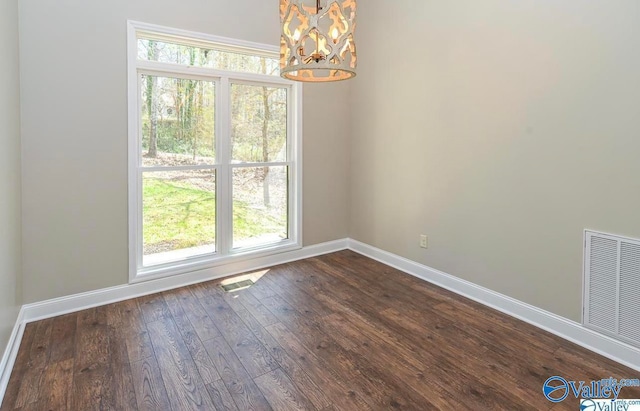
[317,43]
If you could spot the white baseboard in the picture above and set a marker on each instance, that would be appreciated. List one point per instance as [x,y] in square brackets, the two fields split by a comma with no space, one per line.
[10,353]
[569,330]
[64,305]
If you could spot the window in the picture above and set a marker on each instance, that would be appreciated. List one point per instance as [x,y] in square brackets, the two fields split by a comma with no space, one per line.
[214,152]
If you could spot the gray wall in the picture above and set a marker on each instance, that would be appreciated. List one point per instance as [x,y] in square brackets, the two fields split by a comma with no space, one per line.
[10,242]
[501,129]
[74,113]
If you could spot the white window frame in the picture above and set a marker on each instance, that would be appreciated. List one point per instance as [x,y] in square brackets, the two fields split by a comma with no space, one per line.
[224,214]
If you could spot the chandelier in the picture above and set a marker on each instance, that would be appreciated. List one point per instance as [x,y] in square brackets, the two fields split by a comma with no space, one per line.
[317,42]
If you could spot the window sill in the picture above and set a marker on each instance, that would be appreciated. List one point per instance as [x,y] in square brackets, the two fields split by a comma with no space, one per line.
[202,263]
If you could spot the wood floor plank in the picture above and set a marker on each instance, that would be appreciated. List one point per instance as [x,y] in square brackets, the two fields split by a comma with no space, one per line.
[290,315]
[121,377]
[220,396]
[20,367]
[384,356]
[252,354]
[241,386]
[40,351]
[342,392]
[63,334]
[492,325]
[335,295]
[183,383]
[202,290]
[387,297]
[281,393]
[505,366]
[153,308]
[129,320]
[284,280]
[296,373]
[92,363]
[56,386]
[246,300]
[196,314]
[375,386]
[149,386]
[413,369]
[338,297]
[477,392]
[260,290]
[207,370]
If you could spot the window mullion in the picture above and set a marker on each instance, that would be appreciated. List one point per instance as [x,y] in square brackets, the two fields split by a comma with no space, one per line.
[256,165]
[224,201]
[294,141]
[139,215]
[264,232]
[138,179]
[156,68]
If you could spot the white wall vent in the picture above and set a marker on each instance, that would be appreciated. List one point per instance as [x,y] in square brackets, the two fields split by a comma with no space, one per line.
[612,286]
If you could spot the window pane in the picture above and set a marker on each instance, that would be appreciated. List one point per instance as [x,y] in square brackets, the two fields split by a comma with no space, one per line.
[179,215]
[258,123]
[166,52]
[260,203]
[178,121]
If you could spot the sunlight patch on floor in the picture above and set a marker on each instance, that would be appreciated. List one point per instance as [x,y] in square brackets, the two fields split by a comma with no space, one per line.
[244,281]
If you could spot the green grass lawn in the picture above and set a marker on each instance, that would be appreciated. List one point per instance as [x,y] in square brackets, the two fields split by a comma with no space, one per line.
[178,215]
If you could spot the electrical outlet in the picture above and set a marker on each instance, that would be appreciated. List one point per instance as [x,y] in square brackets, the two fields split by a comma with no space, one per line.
[424,241]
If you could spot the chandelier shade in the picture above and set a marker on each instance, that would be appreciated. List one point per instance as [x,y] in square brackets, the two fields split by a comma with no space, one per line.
[317,41]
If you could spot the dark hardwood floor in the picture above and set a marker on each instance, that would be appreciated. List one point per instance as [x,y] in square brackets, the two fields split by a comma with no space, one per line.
[336,332]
